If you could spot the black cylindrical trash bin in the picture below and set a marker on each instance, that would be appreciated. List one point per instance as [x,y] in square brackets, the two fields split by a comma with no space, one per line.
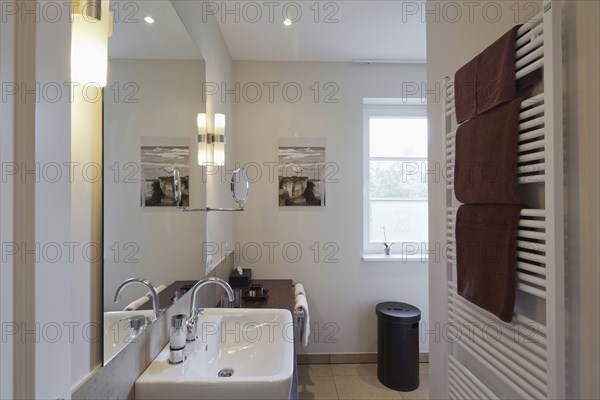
[398,345]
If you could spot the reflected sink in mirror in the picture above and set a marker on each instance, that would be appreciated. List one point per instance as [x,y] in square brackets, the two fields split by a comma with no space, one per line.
[121,328]
[239,354]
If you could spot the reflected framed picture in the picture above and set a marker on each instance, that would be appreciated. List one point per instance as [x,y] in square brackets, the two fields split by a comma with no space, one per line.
[159,157]
[301,167]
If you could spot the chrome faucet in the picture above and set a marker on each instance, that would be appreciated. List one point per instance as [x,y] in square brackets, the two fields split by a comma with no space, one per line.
[150,286]
[192,321]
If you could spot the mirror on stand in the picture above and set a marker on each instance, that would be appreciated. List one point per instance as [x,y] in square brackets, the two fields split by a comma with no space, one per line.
[239,191]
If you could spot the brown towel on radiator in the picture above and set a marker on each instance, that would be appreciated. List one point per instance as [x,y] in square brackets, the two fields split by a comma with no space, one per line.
[488,79]
[485,169]
[465,91]
[496,72]
[486,241]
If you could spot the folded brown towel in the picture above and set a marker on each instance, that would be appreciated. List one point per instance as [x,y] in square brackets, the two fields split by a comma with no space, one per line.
[488,79]
[486,237]
[496,72]
[465,91]
[485,169]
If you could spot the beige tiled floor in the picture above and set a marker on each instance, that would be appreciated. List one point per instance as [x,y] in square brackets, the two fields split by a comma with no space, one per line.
[352,381]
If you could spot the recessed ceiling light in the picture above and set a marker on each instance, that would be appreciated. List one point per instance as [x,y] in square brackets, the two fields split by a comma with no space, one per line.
[149,20]
[287,22]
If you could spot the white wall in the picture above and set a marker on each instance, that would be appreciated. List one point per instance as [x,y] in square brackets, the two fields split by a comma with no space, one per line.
[344,293]
[169,97]
[582,164]
[53,208]
[451,43]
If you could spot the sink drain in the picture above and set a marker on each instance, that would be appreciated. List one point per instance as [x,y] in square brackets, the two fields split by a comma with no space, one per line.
[225,373]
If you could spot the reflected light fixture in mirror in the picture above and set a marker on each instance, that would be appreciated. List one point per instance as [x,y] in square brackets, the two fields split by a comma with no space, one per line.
[89,42]
[211,142]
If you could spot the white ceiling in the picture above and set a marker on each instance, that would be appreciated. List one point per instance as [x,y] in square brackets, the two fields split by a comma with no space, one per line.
[345,30]
[166,39]
[375,30]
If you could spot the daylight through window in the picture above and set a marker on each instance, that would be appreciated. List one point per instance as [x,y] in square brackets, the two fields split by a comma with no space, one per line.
[396,170]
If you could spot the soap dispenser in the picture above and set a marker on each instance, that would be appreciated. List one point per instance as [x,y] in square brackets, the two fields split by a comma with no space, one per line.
[177,344]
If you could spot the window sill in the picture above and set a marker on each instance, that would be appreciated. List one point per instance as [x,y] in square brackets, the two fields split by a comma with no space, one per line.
[395,258]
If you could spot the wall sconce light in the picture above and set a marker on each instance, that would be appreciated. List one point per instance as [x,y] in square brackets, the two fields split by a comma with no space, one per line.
[208,142]
[89,42]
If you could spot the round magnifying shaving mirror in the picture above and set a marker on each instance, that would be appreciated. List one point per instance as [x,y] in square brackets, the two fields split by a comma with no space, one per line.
[177,190]
[239,186]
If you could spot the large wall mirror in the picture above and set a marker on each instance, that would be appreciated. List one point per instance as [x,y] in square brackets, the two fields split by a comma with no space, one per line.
[154,93]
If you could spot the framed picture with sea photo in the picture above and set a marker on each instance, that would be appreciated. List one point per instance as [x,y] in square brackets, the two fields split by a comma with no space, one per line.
[159,157]
[301,167]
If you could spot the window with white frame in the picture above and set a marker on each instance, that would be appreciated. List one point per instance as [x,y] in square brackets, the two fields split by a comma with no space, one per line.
[395,176]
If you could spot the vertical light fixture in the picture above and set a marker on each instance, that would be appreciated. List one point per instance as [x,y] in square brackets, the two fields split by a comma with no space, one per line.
[219,140]
[89,42]
[211,142]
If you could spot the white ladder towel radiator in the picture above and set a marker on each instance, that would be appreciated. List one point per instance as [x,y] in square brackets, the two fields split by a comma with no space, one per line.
[488,358]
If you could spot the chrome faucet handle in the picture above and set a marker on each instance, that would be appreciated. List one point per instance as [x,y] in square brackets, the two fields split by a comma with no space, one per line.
[197,312]
[192,324]
[191,329]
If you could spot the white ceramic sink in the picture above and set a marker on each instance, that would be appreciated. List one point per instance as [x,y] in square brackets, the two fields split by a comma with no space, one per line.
[117,333]
[257,344]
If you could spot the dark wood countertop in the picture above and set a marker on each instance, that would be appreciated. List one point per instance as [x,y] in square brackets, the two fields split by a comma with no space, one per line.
[281,294]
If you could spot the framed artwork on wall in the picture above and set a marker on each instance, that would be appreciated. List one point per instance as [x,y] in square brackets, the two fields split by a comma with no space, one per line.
[301,167]
[159,157]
